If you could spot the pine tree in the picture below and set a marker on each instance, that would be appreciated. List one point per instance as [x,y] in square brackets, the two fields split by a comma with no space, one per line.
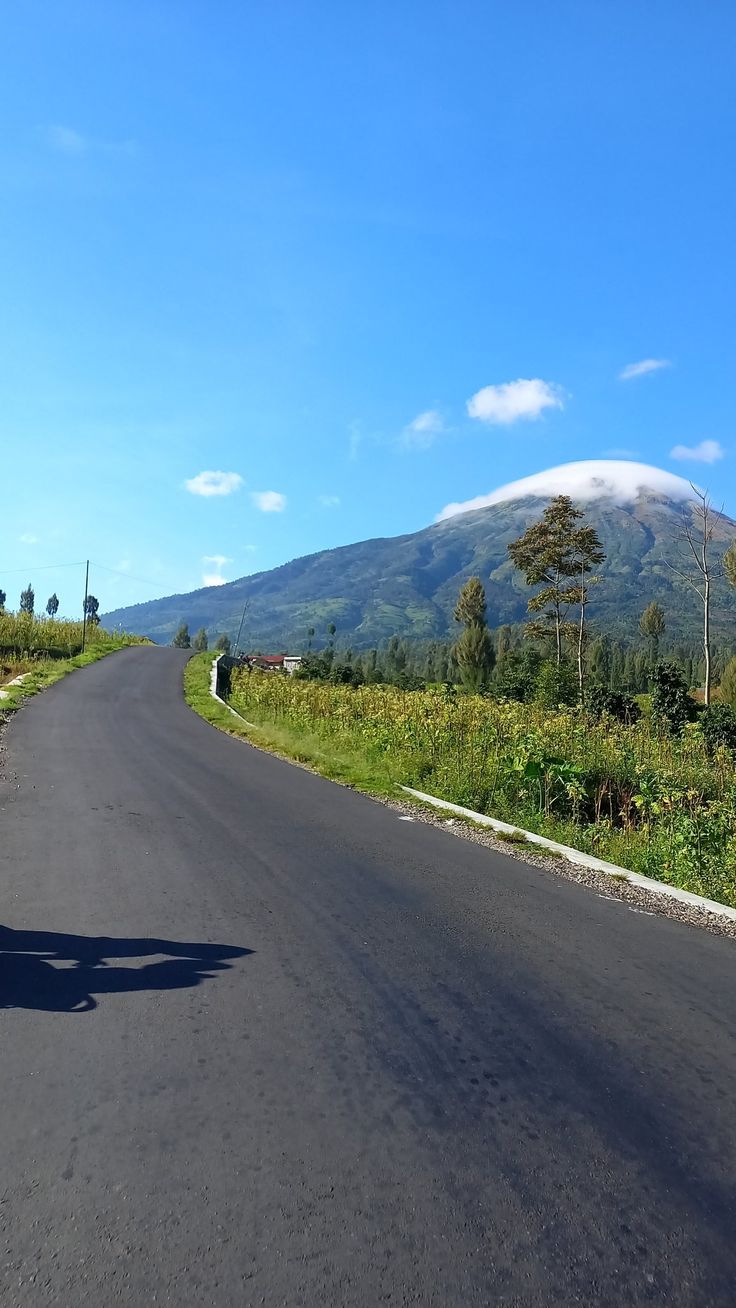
[181,639]
[223,644]
[473,652]
[52,606]
[600,661]
[3,598]
[504,643]
[27,600]
[652,625]
[200,642]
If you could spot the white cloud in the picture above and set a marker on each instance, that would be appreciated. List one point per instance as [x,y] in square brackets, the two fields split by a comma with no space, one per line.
[216,561]
[642,368]
[591,479]
[214,483]
[28,538]
[510,401]
[355,439]
[269,501]
[66,139]
[705,452]
[329,501]
[420,433]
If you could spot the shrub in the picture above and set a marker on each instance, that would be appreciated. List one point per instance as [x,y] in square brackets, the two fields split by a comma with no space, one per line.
[672,706]
[718,725]
[556,686]
[621,707]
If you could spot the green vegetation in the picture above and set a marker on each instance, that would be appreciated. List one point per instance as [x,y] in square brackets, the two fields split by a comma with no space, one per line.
[333,759]
[473,652]
[653,802]
[43,651]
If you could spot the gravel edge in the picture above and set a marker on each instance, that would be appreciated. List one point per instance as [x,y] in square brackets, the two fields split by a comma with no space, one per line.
[635,897]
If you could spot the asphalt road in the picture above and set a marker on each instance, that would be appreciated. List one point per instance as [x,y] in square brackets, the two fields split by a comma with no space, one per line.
[264,1043]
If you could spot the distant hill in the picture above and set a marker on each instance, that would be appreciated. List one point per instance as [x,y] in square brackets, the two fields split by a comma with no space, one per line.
[407,585]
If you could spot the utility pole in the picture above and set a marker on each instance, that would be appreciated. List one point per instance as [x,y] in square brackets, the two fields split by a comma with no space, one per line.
[84,623]
[240,628]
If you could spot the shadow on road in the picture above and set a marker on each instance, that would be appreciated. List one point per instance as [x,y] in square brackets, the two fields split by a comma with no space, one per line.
[61,973]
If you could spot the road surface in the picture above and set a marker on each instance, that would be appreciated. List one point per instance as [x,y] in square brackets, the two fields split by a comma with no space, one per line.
[264,1043]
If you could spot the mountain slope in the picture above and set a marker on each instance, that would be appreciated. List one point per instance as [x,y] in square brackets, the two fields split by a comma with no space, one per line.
[407,585]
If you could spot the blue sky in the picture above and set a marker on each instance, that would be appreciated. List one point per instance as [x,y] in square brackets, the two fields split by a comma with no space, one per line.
[297,242]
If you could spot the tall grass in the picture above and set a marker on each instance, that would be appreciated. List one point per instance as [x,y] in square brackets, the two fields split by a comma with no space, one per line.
[24,635]
[651,803]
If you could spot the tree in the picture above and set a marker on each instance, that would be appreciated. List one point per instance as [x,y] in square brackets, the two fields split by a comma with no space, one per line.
[3,598]
[600,661]
[310,638]
[200,642]
[588,553]
[473,652]
[91,610]
[727,689]
[697,536]
[181,639]
[52,606]
[651,626]
[27,600]
[546,555]
[223,644]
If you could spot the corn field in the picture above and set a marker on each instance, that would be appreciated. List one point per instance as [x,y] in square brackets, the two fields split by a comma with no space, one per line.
[649,802]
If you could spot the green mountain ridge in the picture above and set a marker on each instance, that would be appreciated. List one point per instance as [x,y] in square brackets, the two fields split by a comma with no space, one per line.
[407,585]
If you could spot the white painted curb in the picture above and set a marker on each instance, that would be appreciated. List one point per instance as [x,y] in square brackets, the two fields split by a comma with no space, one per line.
[583,860]
[4,694]
[220,700]
[213,687]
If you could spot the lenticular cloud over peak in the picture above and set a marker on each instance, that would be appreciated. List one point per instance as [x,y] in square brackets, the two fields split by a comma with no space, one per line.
[592,479]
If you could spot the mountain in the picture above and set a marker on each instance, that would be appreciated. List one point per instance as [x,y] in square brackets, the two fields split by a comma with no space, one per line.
[407,585]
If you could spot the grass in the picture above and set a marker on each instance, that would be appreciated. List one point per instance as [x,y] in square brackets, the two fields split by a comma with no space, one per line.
[650,803]
[657,805]
[349,767]
[38,671]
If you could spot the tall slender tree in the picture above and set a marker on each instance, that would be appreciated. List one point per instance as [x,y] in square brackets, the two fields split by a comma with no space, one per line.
[700,568]
[52,606]
[473,651]
[588,554]
[652,625]
[27,600]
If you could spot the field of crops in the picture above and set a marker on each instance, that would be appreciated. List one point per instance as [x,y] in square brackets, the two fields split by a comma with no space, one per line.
[43,646]
[653,803]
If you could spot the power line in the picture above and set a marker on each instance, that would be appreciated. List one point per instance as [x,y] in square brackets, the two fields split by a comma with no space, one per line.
[118,572]
[43,567]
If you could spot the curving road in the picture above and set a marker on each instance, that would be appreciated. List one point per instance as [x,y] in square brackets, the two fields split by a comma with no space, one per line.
[264,1043]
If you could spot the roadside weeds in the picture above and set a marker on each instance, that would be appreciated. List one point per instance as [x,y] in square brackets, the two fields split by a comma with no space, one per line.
[347,770]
